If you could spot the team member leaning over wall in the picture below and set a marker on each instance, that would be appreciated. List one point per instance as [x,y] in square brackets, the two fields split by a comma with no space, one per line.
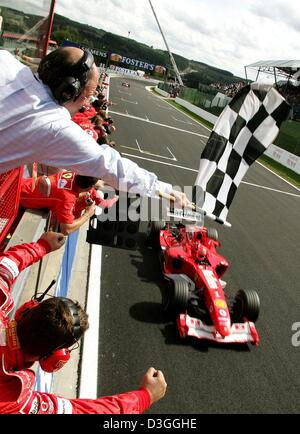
[45,331]
[63,194]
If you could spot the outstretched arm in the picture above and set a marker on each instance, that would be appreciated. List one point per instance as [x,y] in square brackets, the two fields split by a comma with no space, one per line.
[68,228]
[23,255]
[19,257]
[153,388]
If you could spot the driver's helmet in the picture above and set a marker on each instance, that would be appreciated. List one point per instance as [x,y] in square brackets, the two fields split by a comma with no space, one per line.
[192,232]
[194,235]
[199,251]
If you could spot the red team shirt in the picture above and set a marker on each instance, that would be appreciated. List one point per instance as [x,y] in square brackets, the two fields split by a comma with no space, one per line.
[62,198]
[16,387]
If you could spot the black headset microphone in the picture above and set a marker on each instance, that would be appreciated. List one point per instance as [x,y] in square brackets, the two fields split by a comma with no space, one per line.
[66,85]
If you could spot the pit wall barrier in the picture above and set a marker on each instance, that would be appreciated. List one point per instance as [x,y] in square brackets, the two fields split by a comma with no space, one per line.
[284,157]
[280,155]
[44,380]
[49,382]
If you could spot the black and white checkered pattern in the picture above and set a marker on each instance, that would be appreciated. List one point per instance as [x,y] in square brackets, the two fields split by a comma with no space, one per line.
[244,130]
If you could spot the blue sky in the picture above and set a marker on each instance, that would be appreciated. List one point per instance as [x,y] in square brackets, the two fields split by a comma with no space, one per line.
[228,34]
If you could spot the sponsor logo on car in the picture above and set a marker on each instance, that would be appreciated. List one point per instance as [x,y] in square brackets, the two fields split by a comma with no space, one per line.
[220,303]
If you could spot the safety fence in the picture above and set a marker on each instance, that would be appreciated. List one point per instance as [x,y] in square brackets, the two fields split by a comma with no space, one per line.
[204,98]
[212,102]
[289,137]
[10,188]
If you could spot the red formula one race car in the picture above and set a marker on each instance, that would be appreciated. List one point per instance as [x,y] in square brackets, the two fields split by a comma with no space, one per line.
[195,293]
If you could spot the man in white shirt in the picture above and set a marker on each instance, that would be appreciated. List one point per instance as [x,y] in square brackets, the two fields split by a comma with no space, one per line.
[36,125]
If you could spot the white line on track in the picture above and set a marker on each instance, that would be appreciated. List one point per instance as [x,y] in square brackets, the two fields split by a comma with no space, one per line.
[278,176]
[174,158]
[138,145]
[179,120]
[272,189]
[180,111]
[127,100]
[150,153]
[160,162]
[125,93]
[163,107]
[157,123]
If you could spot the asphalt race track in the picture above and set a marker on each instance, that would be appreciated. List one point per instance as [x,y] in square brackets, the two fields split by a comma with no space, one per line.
[263,249]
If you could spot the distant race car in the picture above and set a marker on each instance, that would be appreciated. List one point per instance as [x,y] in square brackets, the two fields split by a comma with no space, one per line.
[125,83]
[194,291]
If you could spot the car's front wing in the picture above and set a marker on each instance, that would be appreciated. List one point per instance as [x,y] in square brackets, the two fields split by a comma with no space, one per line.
[240,332]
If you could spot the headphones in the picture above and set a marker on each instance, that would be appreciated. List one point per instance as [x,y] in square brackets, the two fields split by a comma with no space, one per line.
[65,81]
[60,356]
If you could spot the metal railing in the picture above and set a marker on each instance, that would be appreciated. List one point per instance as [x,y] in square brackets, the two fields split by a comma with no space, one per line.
[10,188]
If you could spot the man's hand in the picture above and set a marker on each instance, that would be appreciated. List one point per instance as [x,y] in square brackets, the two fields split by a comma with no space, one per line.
[181,200]
[90,210]
[44,186]
[54,239]
[154,381]
[99,184]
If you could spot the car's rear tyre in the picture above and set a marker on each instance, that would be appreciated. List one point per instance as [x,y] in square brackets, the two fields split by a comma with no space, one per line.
[213,233]
[153,230]
[246,304]
[176,296]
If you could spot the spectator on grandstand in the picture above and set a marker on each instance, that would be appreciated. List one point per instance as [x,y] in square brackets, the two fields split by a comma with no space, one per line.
[35,122]
[229,89]
[46,331]
[174,90]
[59,193]
[290,92]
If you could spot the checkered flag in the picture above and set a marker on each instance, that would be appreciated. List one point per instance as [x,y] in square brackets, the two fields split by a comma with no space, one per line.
[244,130]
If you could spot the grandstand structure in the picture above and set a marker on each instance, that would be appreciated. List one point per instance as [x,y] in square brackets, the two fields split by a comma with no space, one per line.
[288,69]
[286,75]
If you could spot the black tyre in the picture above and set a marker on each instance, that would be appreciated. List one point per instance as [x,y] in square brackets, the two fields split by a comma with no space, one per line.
[161,258]
[246,305]
[176,296]
[213,233]
[153,231]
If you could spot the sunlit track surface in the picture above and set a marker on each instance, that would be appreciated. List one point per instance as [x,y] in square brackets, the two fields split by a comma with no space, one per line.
[263,249]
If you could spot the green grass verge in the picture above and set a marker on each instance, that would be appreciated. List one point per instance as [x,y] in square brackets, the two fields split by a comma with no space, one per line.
[291,127]
[289,137]
[281,170]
